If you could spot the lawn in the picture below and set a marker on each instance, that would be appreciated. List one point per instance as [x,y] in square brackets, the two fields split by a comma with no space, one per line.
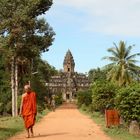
[10,126]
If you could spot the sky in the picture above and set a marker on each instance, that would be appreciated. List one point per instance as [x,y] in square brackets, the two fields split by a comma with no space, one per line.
[89,27]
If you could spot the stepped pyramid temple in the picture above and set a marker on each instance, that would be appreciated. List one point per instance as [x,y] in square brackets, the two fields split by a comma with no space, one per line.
[68,82]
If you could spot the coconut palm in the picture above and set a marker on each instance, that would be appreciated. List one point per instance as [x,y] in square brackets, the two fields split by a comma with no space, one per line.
[123,68]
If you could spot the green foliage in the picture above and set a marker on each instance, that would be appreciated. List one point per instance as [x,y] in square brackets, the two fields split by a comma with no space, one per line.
[5,95]
[38,81]
[10,126]
[128,102]
[58,99]
[44,69]
[23,36]
[84,97]
[103,93]
[41,90]
[30,35]
[97,74]
[123,68]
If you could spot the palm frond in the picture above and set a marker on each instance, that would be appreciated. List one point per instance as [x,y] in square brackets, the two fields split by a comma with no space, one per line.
[113,51]
[132,65]
[123,67]
[116,47]
[128,50]
[132,61]
[122,49]
[110,58]
[133,56]
[109,65]
[128,78]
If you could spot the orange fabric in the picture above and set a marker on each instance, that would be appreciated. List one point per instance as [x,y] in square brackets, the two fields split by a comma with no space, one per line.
[112,117]
[29,109]
[29,120]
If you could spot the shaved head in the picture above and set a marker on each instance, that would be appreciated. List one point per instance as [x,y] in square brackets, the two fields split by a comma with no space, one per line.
[27,88]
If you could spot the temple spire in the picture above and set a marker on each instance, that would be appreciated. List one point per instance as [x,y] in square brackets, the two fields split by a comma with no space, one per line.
[69,63]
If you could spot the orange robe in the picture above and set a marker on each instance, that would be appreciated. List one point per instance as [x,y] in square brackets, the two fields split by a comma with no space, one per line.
[29,109]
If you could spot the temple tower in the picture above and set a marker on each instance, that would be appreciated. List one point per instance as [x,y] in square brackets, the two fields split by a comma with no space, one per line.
[68,82]
[68,64]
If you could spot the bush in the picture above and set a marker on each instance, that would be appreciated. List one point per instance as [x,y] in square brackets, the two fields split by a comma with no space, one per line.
[128,102]
[5,101]
[84,97]
[58,99]
[84,107]
[103,95]
[39,108]
[8,107]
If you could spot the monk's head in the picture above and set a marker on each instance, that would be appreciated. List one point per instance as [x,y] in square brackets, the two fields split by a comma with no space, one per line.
[27,88]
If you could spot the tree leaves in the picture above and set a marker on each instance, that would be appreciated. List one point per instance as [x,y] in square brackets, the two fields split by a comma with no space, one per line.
[24,36]
[128,102]
[124,70]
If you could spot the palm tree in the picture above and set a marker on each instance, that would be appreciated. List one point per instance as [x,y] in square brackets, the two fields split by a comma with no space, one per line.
[123,68]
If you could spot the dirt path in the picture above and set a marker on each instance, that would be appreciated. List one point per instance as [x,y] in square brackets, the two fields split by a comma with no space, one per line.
[66,123]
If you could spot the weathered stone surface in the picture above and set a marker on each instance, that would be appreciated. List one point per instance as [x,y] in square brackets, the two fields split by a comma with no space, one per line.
[134,128]
[68,82]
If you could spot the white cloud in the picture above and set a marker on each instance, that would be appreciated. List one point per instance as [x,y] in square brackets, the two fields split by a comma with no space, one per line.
[112,17]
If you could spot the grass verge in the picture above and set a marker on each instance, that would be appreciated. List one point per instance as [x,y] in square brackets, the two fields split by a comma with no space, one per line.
[10,126]
[116,133]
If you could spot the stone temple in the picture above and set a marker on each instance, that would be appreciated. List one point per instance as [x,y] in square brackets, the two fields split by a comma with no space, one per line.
[68,82]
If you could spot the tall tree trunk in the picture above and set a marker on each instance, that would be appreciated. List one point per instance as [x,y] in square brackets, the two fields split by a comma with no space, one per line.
[13,85]
[16,88]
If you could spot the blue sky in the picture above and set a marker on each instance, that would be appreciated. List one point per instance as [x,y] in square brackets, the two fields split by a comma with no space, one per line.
[89,27]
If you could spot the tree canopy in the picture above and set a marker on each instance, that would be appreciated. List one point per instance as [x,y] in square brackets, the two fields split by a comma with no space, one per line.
[123,68]
[24,35]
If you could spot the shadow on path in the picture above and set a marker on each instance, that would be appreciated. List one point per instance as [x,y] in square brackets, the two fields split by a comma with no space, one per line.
[48,135]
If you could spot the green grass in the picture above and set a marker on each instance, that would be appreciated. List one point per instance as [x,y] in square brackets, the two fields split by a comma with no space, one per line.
[116,133]
[10,126]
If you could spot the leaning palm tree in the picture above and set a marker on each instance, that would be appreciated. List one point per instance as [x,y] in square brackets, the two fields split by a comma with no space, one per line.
[123,68]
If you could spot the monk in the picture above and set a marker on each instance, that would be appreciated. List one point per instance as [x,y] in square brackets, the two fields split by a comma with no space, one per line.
[28,109]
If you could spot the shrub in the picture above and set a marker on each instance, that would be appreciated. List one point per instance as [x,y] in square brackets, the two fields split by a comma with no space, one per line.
[58,99]
[84,107]
[128,102]
[39,108]
[103,93]
[5,101]
[84,97]
[8,107]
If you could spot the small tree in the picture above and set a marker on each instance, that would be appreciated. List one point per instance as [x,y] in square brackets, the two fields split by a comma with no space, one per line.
[103,94]
[84,97]
[128,102]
